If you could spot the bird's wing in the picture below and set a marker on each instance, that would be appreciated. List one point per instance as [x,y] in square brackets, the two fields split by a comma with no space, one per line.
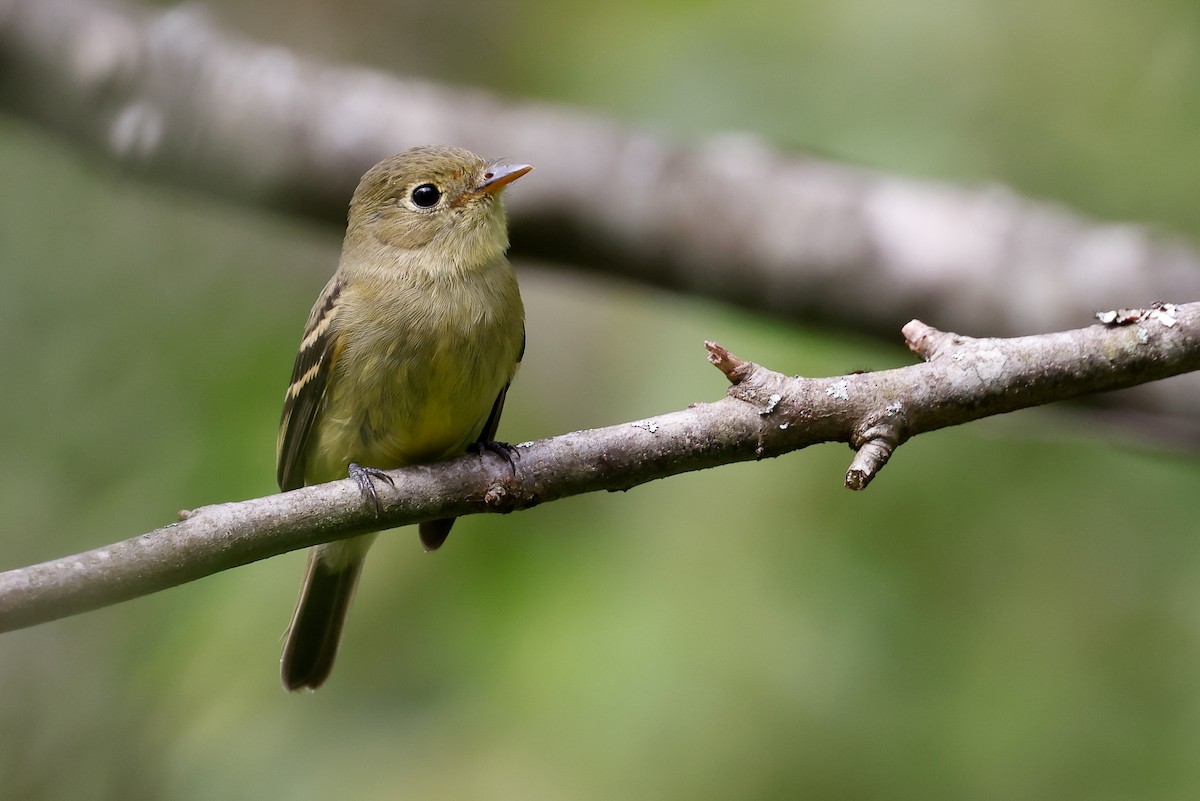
[318,351]
[488,434]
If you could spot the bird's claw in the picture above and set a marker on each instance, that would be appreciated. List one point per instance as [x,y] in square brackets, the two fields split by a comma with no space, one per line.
[362,477]
[504,450]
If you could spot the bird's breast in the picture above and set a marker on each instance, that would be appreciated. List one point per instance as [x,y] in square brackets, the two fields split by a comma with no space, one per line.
[422,364]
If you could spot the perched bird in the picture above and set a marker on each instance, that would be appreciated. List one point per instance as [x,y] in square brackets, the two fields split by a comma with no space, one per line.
[406,358]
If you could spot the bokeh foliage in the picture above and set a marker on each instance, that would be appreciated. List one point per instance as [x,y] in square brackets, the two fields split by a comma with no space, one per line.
[1011,610]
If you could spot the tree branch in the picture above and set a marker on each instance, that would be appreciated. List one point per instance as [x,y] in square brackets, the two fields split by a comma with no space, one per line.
[168,94]
[764,414]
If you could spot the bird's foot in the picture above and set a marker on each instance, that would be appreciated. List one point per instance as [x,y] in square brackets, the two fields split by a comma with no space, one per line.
[362,477]
[504,450]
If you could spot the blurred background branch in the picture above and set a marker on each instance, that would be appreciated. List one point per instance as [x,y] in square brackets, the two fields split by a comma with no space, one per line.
[1012,611]
[170,95]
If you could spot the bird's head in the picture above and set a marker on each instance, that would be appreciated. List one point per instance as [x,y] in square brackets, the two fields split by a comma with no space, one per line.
[436,200]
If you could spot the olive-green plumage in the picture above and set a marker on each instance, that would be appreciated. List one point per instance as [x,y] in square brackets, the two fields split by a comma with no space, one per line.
[406,358]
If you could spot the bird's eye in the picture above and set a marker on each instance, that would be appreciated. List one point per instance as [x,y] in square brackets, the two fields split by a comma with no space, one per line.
[426,196]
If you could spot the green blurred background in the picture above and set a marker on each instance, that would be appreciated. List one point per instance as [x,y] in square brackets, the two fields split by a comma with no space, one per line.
[1011,611]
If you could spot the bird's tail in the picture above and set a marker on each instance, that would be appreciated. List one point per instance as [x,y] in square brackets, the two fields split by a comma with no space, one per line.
[434,532]
[316,629]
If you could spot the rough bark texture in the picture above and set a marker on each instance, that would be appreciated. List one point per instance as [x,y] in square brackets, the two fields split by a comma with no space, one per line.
[764,414]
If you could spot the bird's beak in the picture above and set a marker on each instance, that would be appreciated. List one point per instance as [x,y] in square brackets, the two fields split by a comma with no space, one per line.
[498,175]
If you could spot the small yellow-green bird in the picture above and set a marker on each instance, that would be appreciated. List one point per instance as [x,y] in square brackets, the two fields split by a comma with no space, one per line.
[406,358]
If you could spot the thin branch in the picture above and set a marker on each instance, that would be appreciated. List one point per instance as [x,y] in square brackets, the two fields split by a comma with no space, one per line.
[764,414]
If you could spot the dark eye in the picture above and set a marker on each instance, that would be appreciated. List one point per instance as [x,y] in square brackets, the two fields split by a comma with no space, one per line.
[426,196]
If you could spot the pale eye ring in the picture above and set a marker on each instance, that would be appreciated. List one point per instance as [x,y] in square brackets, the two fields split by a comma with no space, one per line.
[426,196]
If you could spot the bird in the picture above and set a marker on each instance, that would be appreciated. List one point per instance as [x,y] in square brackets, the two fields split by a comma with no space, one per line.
[406,358]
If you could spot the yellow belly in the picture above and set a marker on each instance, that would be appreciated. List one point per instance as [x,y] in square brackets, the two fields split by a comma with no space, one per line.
[419,389]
